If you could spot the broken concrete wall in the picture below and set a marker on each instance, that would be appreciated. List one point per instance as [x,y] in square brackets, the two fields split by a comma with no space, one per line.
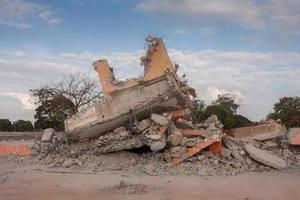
[158,90]
[159,94]
[259,131]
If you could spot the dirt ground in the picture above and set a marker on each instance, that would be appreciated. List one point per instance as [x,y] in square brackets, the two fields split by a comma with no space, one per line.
[39,182]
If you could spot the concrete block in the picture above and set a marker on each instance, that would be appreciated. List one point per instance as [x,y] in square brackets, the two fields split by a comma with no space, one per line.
[158,119]
[47,135]
[175,135]
[143,125]
[182,123]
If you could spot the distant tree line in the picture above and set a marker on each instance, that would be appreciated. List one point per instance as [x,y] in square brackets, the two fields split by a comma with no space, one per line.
[225,108]
[287,110]
[19,126]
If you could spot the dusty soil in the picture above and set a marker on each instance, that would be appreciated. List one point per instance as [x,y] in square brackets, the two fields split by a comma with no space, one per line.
[39,182]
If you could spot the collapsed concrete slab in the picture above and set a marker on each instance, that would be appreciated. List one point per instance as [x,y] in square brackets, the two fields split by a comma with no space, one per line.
[158,90]
[265,157]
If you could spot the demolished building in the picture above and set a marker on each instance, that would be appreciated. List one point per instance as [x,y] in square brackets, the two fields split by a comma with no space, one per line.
[160,89]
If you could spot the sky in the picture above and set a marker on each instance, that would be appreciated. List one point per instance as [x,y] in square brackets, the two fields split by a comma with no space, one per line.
[249,48]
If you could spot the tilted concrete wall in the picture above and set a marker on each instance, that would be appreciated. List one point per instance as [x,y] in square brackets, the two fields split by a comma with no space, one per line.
[160,93]
[257,130]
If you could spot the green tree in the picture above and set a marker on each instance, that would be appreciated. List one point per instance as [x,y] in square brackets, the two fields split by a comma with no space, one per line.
[242,121]
[22,125]
[53,112]
[5,125]
[223,114]
[288,111]
[227,101]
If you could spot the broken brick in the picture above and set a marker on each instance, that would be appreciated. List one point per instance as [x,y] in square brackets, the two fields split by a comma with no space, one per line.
[193,150]
[215,147]
[179,114]
[162,129]
[191,132]
[10,148]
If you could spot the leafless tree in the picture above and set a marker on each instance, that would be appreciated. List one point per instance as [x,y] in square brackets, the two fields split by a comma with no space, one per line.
[81,90]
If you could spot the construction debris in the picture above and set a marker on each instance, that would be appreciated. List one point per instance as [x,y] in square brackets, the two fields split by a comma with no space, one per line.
[168,150]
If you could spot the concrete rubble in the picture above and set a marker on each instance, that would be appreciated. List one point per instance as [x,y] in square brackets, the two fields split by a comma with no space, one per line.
[151,148]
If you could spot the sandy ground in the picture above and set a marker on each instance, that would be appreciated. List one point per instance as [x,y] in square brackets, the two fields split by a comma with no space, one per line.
[39,182]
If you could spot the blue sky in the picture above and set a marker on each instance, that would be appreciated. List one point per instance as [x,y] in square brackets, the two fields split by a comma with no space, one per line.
[249,48]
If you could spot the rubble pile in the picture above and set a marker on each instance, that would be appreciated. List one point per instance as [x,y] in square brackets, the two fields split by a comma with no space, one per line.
[168,143]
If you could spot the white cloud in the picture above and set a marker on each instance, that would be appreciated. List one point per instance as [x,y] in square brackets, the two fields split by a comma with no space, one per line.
[278,16]
[55,21]
[260,78]
[23,98]
[21,13]
[125,64]
[180,32]
[212,93]
[17,53]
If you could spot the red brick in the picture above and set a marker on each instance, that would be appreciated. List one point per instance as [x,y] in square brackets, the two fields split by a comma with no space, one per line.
[162,129]
[215,147]
[191,132]
[178,114]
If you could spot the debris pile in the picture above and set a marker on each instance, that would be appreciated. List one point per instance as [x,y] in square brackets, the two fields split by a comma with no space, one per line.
[169,143]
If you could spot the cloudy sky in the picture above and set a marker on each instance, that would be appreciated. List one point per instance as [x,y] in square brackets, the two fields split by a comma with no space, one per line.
[249,48]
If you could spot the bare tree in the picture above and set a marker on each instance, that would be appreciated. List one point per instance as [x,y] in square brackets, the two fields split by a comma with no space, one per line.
[78,88]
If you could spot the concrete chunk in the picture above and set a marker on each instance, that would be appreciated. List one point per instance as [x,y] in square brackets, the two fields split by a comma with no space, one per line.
[264,157]
[47,135]
[142,125]
[158,119]
[175,136]
[182,123]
